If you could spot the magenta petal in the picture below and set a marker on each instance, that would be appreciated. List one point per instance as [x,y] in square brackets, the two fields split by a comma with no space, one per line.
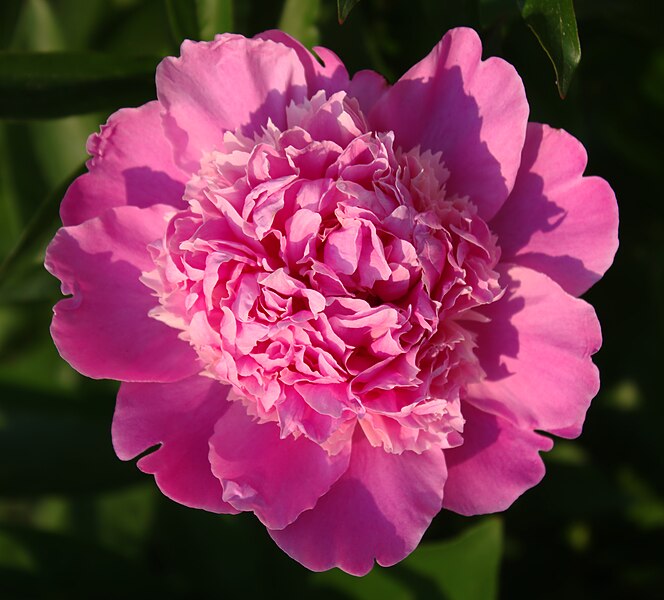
[276,478]
[132,164]
[496,463]
[226,85]
[474,111]
[179,416]
[556,221]
[536,352]
[378,510]
[104,330]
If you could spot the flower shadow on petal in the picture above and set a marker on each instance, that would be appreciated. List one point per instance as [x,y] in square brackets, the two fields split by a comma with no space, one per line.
[459,134]
[142,184]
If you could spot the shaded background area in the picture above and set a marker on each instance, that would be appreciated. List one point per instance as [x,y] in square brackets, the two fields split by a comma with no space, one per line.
[76,522]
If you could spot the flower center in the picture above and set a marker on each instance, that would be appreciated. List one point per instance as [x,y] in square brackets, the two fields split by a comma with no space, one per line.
[326,276]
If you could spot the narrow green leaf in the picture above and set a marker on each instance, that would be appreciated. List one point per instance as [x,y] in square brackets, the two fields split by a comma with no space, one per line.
[10,11]
[42,226]
[57,84]
[215,16]
[299,19]
[344,7]
[554,24]
[183,19]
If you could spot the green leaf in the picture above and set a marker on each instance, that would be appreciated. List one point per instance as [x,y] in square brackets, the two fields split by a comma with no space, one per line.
[344,7]
[554,24]
[45,85]
[38,231]
[464,568]
[299,18]
[183,19]
[215,16]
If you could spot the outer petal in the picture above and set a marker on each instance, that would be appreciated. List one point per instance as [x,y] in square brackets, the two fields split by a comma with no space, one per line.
[330,76]
[179,416]
[276,478]
[104,330]
[378,510]
[536,352]
[496,463]
[556,221]
[227,84]
[132,164]
[474,111]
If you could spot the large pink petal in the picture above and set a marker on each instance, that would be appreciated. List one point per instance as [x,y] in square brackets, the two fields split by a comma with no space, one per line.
[496,463]
[474,111]
[276,478]
[556,221]
[327,74]
[379,509]
[180,417]
[132,164]
[227,84]
[536,352]
[104,330]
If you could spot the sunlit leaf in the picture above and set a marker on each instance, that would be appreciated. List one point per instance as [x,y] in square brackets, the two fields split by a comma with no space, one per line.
[40,85]
[299,18]
[344,7]
[554,24]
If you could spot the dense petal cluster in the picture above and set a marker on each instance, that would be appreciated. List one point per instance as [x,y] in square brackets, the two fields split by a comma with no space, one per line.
[335,303]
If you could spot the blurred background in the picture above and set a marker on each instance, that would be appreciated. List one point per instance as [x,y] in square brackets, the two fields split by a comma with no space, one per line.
[77,522]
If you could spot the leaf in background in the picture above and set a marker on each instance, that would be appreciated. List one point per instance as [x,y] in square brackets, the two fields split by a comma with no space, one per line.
[35,85]
[216,16]
[344,7]
[38,231]
[10,11]
[299,18]
[183,18]
[464,568]
[554,24]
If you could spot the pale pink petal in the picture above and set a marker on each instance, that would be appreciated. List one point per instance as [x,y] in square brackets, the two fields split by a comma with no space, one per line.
[496,463]
[474,111]
[325,72]
[104,330]
[180,417]
[536,352]
[556,221]
[276,478]
[378,510]
[132,164]
[230,84]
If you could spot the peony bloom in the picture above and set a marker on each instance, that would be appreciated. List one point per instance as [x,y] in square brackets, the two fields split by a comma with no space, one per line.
[339,304]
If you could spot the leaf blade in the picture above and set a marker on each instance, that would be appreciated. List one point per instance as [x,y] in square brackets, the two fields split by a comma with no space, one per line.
[36,85]
[343,9]
[554,24]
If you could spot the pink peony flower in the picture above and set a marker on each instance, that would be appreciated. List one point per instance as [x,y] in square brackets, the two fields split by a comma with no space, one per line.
[339,304]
